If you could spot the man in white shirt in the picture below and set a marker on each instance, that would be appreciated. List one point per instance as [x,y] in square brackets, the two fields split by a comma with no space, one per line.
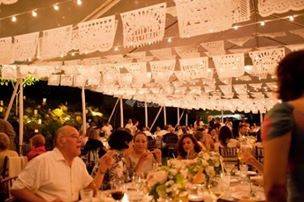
[57,175]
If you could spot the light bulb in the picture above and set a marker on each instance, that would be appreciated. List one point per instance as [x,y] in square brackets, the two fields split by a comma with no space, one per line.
[14,19]
[169,40]
[235,27]
[56,7]
[262,23]
[79,2]
[291,18]
[34,13]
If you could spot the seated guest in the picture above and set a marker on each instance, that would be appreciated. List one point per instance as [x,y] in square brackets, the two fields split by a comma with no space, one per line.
[56,175]
[169,145]
[37,146]
[225,139]
[93,149]
[140,157]
[4,151]
[188,147]
[115,163]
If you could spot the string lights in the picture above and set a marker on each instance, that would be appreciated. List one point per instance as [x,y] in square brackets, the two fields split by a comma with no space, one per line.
[34,12]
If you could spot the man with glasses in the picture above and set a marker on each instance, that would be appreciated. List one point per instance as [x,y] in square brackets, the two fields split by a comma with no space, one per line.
[57,175]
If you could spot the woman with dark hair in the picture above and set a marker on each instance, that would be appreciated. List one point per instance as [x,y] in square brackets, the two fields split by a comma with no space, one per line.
[114,165]
[188,147]
[282,134]
[225,139]
[93,149]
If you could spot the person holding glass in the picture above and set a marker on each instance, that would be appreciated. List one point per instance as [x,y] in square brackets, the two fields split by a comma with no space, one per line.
[140,157]
[282,134]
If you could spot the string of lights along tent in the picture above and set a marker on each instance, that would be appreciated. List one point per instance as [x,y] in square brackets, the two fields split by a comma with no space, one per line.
[34,12]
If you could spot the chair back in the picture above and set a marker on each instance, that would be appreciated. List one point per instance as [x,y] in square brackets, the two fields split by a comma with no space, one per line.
[259,153]
[229,154]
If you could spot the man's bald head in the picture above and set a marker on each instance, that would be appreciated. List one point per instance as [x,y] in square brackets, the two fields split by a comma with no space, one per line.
[63,131]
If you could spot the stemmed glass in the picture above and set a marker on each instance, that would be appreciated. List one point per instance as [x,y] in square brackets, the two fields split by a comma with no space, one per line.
[117,189]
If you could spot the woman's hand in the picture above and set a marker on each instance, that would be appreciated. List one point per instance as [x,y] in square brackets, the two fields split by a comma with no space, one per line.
[157,155]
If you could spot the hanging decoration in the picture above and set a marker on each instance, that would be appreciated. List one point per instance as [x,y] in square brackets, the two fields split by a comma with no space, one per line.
[8,1]
[187,51]
[96,35]
[241,10]
[25,46]
[54,80]
[266,61]
[162,54]
[228,66]
[226,89]
[193,68]
[6,50]
[256,86]
[56,42]
[214,47]
[162,70]
[272,34]
[269,7]
[240,41]
[144,26]
[9,72]
[197,17]
[240,89]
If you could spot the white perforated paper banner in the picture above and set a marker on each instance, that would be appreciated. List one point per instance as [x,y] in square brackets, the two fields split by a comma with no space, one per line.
[96,35]
[266,61]
[228,66]
[144,26]
[6,50]
[269,7]
[162,70]
[162,54]
[187,51]
[25,46]
[56,42]
[9,72]
[198,17]
[194,67]
[214,47]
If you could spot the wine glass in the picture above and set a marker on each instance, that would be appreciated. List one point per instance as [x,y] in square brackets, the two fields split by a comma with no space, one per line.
[117,189]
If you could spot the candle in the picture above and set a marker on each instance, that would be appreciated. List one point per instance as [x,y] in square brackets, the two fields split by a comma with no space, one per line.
[44,101]
[36,130]
[35,111]
[39,121]
[1,102]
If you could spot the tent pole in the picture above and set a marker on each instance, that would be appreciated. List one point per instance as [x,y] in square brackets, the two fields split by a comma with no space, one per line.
[146,114]
[158,113]
[165,116]
[84,117]
[121,113]
[181,116]
[20,117]
[222,116]
[113,110]
[177,113]
[261,118]
[12,100]
[186,121]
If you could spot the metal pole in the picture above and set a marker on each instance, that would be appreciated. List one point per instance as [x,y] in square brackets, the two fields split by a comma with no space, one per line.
[21,117]
[113,110]
[146,114]
[178,119]
[11,100]
[165,116]
[158,113]
[84,117]
[186,121]
[261,118]
[121,113]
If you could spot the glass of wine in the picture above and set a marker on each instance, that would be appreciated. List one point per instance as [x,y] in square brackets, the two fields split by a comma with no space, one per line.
[117,190]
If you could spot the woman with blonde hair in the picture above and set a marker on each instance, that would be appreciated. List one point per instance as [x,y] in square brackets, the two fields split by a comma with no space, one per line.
[4,149]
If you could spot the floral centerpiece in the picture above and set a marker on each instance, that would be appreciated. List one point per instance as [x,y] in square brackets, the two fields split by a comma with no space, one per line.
[170,181]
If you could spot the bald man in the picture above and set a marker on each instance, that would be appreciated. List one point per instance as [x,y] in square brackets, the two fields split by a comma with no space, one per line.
[57,175]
